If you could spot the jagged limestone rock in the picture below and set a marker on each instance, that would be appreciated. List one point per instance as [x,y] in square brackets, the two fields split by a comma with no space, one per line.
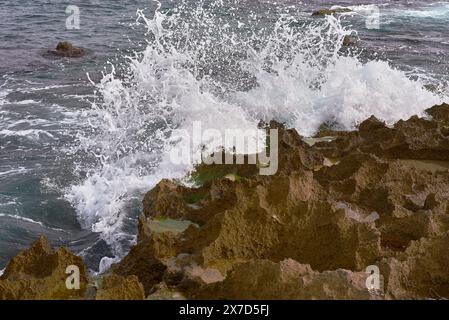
[369,207]
[40,273]
[288,279]
[115,287]
[377,196]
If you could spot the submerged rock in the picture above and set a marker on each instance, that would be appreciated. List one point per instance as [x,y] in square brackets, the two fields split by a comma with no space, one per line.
[67,50]
[40,273]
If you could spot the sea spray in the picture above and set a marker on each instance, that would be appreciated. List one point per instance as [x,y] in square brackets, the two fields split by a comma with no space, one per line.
[228,70]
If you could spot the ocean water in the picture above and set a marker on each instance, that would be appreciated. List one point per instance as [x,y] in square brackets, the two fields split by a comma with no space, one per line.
[82,140]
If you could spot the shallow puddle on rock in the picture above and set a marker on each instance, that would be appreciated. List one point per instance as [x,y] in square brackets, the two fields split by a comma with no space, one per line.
[327,162]
[312,141]
[160,225]
[428,165]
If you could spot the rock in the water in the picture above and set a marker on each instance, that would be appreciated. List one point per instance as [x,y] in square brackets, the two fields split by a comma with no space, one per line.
[67,50]
[348,41]
[40,273]
[324,12]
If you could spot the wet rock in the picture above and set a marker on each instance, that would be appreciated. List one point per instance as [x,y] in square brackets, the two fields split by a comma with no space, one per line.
[143,261]
[366,206]
[349,41]
[415,138]
[376,196]
[439,113]
[40,273]
[324,12]
[115,287]
[67,50]
[217,194]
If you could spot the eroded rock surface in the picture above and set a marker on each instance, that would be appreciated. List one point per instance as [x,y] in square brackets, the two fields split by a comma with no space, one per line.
[375,196]
[40,273]
[339,205]
[417,138]
[115,287]
[288,279]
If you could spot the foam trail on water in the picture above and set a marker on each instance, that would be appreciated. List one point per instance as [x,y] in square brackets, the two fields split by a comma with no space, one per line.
[228,72]
[439,10]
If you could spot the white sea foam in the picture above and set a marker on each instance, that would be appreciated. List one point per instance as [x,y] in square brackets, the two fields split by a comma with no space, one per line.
[19,170]
[350,93]
[3,94]
[29,220]
[438,10]
[33,134]
[51,87]
[28,101]
[198,67]
[105,264]
[16,217]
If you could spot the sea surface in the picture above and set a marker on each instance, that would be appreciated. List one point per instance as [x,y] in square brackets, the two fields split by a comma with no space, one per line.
[82,140]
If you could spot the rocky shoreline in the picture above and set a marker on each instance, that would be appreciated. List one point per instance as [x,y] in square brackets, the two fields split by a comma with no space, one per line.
[339,203]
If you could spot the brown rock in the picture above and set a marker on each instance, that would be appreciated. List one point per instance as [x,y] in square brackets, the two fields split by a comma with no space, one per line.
[142,262]
[115,287]
[324,12]
[40,273]
[288,279]
[439,113]
[420,273]
[67,50]
[376,202]
[416,138]
[349,41]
